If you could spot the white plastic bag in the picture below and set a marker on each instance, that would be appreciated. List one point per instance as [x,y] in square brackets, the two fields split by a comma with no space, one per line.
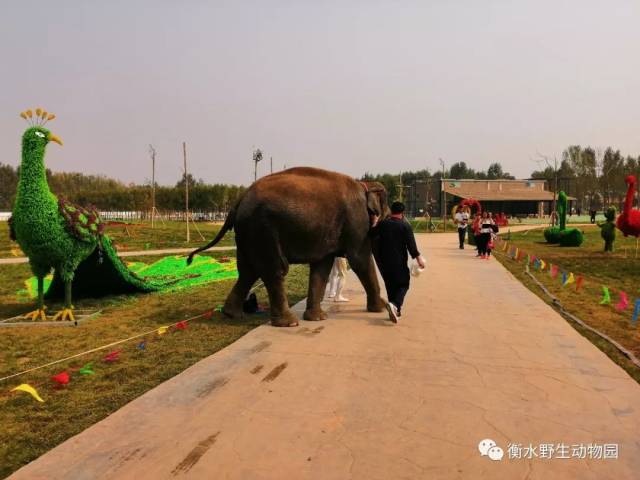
[415,267]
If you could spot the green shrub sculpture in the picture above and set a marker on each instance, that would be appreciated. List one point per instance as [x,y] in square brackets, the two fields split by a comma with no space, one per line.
[565,237]
[608,229]
[56,234]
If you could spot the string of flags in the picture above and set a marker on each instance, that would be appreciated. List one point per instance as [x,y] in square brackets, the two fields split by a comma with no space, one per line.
[62,379]
[569,278]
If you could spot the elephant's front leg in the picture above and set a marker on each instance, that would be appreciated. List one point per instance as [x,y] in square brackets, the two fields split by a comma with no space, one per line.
[318,276]
[364,267]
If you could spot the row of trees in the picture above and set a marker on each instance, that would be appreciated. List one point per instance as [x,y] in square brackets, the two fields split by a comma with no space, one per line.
[594,176]
[109,194]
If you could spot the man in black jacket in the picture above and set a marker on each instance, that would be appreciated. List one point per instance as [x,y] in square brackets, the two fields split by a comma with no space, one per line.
[393,237]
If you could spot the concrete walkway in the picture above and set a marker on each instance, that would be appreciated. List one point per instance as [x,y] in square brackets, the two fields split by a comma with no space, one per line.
[475,356]
[137,253]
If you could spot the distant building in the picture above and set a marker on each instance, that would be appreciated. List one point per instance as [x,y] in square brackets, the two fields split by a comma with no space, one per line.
[513,197]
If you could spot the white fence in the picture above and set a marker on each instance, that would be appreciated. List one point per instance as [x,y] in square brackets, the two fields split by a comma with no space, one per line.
[145,215]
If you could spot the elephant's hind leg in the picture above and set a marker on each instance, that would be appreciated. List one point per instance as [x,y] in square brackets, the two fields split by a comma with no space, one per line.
[246,278]
[318,276]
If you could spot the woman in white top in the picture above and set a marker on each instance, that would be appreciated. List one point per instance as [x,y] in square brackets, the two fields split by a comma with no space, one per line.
[486,229]
[337,279]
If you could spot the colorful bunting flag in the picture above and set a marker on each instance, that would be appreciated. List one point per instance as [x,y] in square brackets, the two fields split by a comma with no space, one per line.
[606,296]
[579,281]
[162,330]
[636,311]
[542,264]
[62,378]
[554,271]
[87,369]
[623,303]
[564,278]
[570,279]
[142,345]
[218,308]
[25,387]
[528,260]
[181,325]
[113,356]
[505,246]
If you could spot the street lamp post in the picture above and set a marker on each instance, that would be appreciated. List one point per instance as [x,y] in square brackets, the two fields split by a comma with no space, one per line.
[444,199]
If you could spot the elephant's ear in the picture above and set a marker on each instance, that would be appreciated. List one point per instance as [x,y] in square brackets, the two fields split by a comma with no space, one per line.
[376,198]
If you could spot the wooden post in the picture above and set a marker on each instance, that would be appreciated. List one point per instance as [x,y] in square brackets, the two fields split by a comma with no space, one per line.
[271,160]
[152,152]
[186,188]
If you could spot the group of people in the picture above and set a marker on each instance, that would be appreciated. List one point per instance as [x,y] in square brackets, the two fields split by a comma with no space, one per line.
[393,243]
[483,227]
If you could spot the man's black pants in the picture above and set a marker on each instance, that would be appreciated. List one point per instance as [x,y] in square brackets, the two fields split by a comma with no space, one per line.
[396,292]
[461,233]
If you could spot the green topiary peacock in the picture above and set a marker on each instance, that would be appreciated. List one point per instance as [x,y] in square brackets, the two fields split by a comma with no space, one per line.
[608,229]
[56,234]
[566,237]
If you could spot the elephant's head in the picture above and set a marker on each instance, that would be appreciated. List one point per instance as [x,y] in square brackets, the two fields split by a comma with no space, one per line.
[376,199]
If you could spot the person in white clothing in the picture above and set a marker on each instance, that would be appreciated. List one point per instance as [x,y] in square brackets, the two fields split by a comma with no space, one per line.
[338,279]
[462,220]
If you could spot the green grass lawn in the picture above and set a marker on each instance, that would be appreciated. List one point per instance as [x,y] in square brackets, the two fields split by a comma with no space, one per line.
[28,428]
[618,271]
[140,236]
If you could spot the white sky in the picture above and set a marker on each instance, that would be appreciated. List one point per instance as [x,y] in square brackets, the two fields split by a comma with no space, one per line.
[348,85]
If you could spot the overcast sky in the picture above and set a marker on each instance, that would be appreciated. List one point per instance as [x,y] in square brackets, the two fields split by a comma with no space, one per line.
[348,85]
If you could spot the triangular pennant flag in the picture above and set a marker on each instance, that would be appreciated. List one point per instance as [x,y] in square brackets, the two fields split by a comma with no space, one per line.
[112,357]
[142,345]
[528,260]
[554,271]
[551,269]
[542,264]
[208,315]
[516,255]
[87,369]
[579,281]
[218,308]
[62,378]
[181,325]
[526,267]
[505,246]
[564,278]
[534,259]
[623,303]
[162,330]
[25,387]
[606,296]
[636,311]
[569,279]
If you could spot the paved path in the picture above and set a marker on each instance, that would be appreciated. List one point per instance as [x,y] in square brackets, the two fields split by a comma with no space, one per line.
[138,253]
[476,356]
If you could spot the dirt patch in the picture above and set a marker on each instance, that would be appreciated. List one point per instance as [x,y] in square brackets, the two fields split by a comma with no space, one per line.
[259,347]
[273,374]
[256,369]
[195,455]
[211,386]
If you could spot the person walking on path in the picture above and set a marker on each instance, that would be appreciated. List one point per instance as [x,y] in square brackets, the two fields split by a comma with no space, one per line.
[338,279]
[475,226]
[462,219]
[394,237]
[486,229]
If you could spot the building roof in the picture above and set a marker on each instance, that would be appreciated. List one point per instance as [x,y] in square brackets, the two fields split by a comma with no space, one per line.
[500,190]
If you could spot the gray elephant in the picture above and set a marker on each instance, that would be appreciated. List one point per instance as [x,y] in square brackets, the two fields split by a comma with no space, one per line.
[297,216]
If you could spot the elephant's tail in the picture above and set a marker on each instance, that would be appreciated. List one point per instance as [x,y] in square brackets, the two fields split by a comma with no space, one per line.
[228,225]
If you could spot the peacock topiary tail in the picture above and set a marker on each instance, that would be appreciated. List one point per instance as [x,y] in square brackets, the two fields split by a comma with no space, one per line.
[101,273]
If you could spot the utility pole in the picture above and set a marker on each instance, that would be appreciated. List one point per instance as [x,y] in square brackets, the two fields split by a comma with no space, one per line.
[152,153]
[186,187]
[271,160]
[444,200]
